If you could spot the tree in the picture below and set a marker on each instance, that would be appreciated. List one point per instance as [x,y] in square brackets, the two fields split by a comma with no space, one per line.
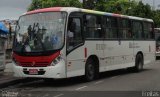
[89,4]
[156,18]
[142,10]
[113,6]
[37,4]
[125,7]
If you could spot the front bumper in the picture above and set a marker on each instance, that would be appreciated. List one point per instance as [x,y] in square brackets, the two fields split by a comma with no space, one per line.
[57,71]
[158,54]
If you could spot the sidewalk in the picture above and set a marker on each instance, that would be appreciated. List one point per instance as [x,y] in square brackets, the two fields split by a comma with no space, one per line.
[7,78]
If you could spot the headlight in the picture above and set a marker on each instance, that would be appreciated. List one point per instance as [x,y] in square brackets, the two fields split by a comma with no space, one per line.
[15,62]
[56,60]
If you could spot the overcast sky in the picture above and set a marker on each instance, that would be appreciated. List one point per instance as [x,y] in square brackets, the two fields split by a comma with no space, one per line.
[12,9]
[155,3]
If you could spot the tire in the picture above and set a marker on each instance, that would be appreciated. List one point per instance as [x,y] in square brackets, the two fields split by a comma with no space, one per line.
[139,63]
[90,70]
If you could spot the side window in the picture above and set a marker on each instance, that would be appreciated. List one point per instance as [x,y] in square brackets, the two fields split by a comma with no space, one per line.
[74,37]
[125,29]
[110,28]
[93,27]
[137,29]
[148,30]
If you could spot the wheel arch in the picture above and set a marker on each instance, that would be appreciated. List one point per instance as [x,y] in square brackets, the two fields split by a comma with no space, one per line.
[141,53]
[94,58]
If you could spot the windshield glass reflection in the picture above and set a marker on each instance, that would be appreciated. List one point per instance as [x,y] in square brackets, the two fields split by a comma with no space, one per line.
[40,32]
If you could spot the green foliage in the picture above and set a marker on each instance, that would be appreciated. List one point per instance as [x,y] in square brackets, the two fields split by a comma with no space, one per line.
[141,10]
[131,8]
[37,4]
[156,18]
[114,6]
[89,4]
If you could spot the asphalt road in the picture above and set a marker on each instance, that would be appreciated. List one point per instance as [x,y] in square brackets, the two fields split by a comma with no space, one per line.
[118,83]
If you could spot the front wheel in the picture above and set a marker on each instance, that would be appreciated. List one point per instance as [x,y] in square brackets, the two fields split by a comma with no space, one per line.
[90,70]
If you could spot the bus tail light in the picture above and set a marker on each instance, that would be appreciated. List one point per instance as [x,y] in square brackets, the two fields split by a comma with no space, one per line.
[56,60]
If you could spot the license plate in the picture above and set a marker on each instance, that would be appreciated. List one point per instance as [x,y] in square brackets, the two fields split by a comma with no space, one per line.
[33,71]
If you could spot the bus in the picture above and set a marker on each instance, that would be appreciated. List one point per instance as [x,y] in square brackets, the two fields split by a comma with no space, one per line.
[64,42]
[157,38]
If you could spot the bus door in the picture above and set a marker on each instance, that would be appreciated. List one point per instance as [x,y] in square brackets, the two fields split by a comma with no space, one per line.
[75,49]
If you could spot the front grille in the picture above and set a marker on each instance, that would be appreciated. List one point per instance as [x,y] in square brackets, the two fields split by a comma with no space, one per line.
[36,64]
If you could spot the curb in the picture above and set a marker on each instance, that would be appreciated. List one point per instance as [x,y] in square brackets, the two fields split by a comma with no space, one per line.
[15,81]
[9,83]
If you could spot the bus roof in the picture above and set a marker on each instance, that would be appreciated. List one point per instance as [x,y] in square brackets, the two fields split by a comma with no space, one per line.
[157,28]
[73,9]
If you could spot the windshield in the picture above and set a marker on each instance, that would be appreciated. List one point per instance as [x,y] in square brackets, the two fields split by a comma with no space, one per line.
[40,32]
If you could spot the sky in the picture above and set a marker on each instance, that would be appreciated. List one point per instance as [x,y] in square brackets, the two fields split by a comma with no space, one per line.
[12,9]
[155,3]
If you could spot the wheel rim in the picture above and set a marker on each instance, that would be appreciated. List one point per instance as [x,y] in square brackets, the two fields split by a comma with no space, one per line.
[90,71]
[140,63]
[140,66]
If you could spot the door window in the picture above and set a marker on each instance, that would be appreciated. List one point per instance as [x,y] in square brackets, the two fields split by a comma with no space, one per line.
[74,36]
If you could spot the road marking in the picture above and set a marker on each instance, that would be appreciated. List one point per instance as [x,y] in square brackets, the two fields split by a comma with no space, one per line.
[58,95]
[81,88]
[98,82]
[113,77]
[46,95]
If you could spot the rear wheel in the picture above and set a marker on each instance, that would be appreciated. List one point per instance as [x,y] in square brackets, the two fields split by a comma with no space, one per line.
[139,63]
[90,70]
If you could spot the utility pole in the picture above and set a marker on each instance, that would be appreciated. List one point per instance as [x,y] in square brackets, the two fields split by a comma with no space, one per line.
[153,8]
[84,3]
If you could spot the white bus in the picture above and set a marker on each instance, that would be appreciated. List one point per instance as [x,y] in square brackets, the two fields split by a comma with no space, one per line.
[62,42]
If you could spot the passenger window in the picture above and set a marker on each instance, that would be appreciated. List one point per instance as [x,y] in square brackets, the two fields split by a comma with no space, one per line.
[110,28]
[125,29]
[137,30]
[93,27]
[148,30]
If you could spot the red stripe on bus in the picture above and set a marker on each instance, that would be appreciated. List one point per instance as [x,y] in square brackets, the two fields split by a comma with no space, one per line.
[52,9]
[85,52]
[31,61]
[149,48]
[116,15]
